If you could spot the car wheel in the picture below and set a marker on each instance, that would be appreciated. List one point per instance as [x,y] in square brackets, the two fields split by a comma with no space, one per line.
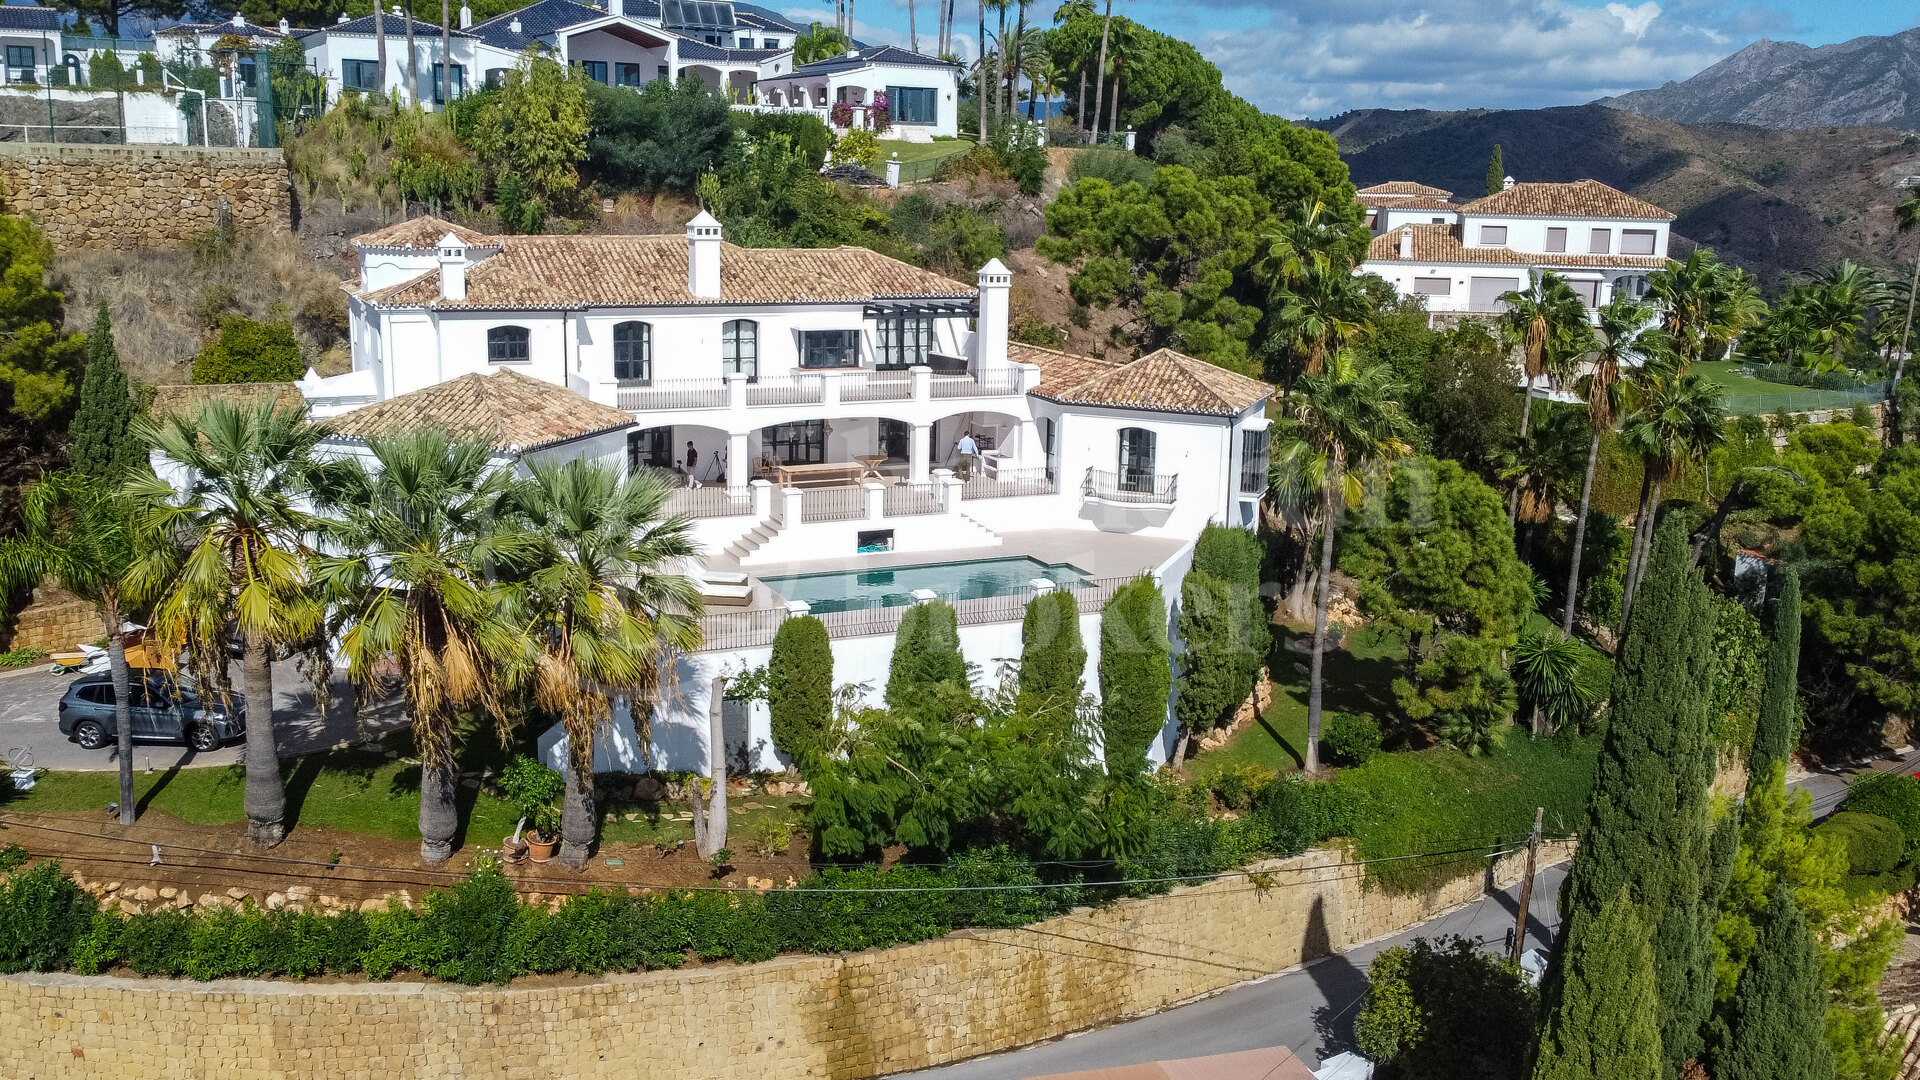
[203,738]
[89,735]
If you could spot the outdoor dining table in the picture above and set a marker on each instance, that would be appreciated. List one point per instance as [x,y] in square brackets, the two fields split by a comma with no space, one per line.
[872,462]
[788,475]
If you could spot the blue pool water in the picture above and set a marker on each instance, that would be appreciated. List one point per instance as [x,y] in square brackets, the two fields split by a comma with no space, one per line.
[852,590]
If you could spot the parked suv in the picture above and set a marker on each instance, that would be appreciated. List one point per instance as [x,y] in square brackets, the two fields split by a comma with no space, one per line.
[162,710]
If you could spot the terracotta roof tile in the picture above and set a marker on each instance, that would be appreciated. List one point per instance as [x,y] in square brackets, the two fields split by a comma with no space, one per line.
[1581,198]
[1440,244]
[505,410]
[1412,202]
[424,231]
[189,400]
[620,271]
[1404,187]
[1163,381]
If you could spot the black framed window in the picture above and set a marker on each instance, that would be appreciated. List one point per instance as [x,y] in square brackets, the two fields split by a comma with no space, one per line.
[507,344]
[913,104]
[1049,442]
[1136,459]
[246,72]
[21,63]
[440,83]
[829,348]
[803,442]
[771,43]
[633,352]
[1253,461]
[594,69]
[896,438]
[627,74]
[650,448]
[360,74]
[904,340]
[740,348]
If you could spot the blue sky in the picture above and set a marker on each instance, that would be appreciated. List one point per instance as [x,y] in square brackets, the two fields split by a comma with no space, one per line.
[1320,57]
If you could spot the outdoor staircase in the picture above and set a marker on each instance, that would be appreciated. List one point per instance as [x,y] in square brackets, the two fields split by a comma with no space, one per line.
[970,533]
[749,543]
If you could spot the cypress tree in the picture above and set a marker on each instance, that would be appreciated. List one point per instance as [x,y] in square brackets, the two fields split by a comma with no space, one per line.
[1053,658]
[1135,680]
[1234,556]
[1773,735]
[800,685]
[1210,668]
[1606,1024]
[1496,173]
[1646,828]
[1778,1029]
[927,668]
[101,446]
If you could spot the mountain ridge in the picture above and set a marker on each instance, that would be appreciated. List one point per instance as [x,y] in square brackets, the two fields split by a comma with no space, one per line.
[1868,81]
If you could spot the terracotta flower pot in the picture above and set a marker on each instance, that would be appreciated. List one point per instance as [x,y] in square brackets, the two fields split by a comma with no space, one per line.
[512,850]
[541,848]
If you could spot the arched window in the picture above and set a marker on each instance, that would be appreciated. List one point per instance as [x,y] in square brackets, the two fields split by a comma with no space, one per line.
[740,348]
[633,353]
[507,344]
[1136,459]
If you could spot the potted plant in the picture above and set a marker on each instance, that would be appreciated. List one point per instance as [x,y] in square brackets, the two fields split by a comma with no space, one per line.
[546,833]
[530,786]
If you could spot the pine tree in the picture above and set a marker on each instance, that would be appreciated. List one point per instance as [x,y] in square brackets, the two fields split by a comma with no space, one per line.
[1135,680]
[1053,658]
[927,670]
[800,685]
[1773,735]
[1606,1023]
[101,446]
[1779,1025]
[1646,828]
[1496,173]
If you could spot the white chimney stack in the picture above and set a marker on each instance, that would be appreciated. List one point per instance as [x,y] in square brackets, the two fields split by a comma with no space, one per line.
[466,16]
[990,335]
[1406,242]
[286,28]
[616,7]
[343,17]
[703,256]
[514,26]
[238,20]
[1506,183]
[453,268]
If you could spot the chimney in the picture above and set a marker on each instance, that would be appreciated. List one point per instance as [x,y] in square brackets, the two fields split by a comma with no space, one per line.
[703,256]
[453,268]
[286,28]
[343,17]
[466,17]
[990,330]
[1406,242]
[514,26]
[616,7]
[238,20]
[1506,184]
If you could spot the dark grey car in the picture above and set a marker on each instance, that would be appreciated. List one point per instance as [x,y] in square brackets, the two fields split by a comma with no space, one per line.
[162,711]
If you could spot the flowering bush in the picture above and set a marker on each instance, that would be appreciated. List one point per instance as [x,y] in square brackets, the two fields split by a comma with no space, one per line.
[879,115]
[841,115]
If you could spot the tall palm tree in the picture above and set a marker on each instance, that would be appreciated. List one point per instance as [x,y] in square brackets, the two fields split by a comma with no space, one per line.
[1845,294]
[420,531]
[1036,63]
[604,607]
[1627,337]
[78,530]
[1679,417]
[1304,239]
[1324,309]
[380,42]
[1349,423]
[1705,303]
[1906,216]
[1543,320]
[225,549]
[1538,466]
[1100,73]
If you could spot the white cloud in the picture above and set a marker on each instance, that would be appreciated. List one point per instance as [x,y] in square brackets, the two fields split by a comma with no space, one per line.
[1636,20]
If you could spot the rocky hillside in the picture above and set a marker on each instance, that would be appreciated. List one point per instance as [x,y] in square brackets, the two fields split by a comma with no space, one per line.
[1872,81]
[1774,201]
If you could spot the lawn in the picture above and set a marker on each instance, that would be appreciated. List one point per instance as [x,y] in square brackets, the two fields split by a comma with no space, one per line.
[918,151]
[1359,679]
[1746,396]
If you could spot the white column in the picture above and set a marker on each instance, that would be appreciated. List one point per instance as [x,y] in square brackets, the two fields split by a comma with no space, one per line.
[920,381]
[1032,454]
[829,388]
[789,507]
[762,498]
[876,500]
[917,460]
[946,488]
[736,460]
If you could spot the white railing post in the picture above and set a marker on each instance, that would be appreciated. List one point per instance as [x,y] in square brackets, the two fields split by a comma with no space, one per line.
[762,498]
[920,377]
[829,388]
[736,391]
[893,170]
[946,491]
[876,500]
[790,507]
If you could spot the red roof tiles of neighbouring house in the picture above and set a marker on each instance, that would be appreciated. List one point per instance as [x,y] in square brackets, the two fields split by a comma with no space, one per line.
[1580,198]
[1441,244]
[1404,188]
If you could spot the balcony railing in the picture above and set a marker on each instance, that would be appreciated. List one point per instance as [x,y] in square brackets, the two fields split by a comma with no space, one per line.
[876,386]
[711,501]
[908,499]
[983,384]
[833,504]
[674,394]
[806,391]
[1010,482]
[1148,489]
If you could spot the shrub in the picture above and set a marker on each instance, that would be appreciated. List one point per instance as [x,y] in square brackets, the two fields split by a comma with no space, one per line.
[808,135]
[458,938]
[1135,680]
[157,943]
[1875,845]
[927,672]
[1053,660]
[1116,167]
[530,785]
[840,911]
[1237,786]
[767,837]
[1212,665]
[1893,797]
[1018,903]
[248,351]
[1296,814]
[1440,1010]
[861,147]
[1029,169]
[1351,739]
[665,136]
[800,685]
[43,916]
[1790,375]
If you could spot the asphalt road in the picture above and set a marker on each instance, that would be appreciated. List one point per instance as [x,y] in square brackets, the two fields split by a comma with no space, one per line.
[1306,1009]
[29,721]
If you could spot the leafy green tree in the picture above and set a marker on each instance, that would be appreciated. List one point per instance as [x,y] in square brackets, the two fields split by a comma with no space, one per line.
[1464,399]
[1623,338]
[1436,1010]
[38,361]
[1548,672]
[226,550]
[1213,658]
[1605,1023]
[664,137]
[1463,689]
[1135,679]
[1779,1015]
[108,13]
[1496,173]
[1053,659]
[101,446]
[1773,736]
[248,351]
[536,128]
[800,685]
[928,674]
[1779,853]
[1646,830]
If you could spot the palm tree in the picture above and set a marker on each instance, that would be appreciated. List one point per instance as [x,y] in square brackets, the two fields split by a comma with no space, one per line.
[380,43]
[224,550]
[1706,303]
[1349,423]
[1679,417]
[1304,239]
[1906,216]
[78,530]
[818,43]
[1542,321]
[1626,337]
[1844,295]
[1324,309]
[1100,73]
[1537,466]
[421,531]
[1036,63]
[603,608]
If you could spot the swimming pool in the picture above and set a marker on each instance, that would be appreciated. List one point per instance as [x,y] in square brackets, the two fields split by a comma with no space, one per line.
[893,586]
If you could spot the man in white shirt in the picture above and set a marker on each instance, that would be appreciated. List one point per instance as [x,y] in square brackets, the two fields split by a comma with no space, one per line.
[968,451]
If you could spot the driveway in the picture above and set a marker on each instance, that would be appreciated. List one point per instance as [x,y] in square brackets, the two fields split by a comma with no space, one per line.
[29,722]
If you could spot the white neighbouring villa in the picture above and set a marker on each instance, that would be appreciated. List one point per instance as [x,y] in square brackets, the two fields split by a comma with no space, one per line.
[1600,239]
[825,394]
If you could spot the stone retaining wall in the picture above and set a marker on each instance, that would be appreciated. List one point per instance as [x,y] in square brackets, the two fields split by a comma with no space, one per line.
[118,196]
[839,1016]
[55,620]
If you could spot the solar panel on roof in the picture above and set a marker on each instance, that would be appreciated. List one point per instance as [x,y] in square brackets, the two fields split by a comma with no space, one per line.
[697,13]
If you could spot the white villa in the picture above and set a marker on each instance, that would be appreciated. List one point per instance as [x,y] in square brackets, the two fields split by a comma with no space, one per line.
[922,92]
[824,395]
[1463,258]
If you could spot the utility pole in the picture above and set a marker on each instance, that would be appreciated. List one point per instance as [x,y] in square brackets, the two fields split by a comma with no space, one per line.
[1526,887]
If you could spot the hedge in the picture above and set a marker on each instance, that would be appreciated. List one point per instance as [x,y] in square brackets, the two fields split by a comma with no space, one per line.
[1135,679]
[1891,796]
[800,684]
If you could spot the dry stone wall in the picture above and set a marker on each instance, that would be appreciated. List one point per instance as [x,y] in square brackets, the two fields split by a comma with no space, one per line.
[55,620]
[835,1017]
[121,196]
